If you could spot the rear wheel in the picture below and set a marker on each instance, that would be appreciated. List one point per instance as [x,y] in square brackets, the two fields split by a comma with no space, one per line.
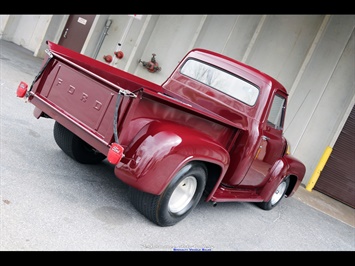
[278,195]
[178,199]
[75,147]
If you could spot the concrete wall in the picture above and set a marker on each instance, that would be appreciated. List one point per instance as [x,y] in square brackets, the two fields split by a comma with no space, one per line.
[3,22]
[312,55]
[324,91]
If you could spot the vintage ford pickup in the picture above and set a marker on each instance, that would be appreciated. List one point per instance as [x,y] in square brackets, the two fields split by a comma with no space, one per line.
[212,130]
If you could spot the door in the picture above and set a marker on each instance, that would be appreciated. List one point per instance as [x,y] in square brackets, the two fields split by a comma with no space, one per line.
[272,144]
[75,31]
[337,179]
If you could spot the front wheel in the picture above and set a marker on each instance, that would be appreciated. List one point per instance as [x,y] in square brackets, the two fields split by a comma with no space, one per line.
[177,200]
[277,196]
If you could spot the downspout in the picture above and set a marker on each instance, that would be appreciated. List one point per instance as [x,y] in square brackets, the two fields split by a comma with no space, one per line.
[102,37]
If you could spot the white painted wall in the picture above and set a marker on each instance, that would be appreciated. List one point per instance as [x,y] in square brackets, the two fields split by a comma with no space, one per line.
[324,93]
[25,30]
[3,23]
[170,40]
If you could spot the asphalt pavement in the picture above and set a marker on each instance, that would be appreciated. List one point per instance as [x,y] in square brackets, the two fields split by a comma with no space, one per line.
[51,203]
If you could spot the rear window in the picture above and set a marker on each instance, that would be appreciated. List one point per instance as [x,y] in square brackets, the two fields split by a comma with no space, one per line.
[221,80]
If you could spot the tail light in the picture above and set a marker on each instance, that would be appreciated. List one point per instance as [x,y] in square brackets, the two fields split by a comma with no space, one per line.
[115,153]
[21,89]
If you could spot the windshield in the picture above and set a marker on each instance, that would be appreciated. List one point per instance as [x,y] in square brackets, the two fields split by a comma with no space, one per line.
[221,80]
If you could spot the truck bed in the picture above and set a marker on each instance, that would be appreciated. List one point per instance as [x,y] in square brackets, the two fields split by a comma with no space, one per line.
[80,93]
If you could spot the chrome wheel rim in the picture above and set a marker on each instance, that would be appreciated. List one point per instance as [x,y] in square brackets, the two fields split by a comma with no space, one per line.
[182,194]
[278,193]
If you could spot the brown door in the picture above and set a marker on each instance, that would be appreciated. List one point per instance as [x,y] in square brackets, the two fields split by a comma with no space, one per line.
[337,179]
[75,31]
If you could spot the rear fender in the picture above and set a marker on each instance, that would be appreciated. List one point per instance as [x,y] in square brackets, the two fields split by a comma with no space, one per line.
[160,149]
[297,171]
[286,166]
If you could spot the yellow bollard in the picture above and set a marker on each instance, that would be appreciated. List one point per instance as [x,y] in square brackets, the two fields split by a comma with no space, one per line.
[323,160]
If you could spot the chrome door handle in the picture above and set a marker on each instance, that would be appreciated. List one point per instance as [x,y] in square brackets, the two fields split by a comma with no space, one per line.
[65,33]
[265,138]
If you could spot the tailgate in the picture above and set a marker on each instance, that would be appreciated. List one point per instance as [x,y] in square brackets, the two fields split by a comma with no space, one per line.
[78,95]
[80,100]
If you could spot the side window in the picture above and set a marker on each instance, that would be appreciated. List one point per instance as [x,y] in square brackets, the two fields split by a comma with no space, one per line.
[277,112]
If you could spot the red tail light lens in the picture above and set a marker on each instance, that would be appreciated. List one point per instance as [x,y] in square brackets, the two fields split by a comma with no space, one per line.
[115,153]
[21,89]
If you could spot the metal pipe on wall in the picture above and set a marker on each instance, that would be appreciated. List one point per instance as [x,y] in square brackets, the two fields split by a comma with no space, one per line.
[102,37]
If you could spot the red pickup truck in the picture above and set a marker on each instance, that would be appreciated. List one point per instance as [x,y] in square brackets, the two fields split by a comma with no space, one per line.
[212,130]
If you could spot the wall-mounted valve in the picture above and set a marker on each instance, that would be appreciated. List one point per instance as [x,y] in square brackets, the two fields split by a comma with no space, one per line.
[152,65]
[119,54]
[108,58]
